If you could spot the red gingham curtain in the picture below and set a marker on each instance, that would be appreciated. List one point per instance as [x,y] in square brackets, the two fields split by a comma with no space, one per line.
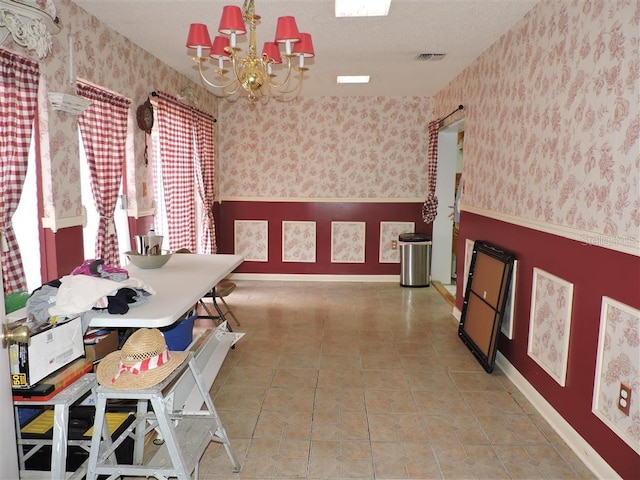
[177,152]
[18,106]
[103,127]
[205,175]
[430,207]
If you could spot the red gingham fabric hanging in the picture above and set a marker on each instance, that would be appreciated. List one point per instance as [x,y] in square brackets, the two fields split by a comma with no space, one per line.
[205,174]
[430,207]
[18,106]
[103,127]
[177,152]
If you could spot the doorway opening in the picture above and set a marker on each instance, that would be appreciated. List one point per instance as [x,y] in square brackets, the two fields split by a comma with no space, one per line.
[447,223]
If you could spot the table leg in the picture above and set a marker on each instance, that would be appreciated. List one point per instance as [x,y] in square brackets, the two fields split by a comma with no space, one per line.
[19,439]
[59,446]
[138,448]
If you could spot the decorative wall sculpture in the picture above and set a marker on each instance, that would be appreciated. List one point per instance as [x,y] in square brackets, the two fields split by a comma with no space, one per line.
[29,25]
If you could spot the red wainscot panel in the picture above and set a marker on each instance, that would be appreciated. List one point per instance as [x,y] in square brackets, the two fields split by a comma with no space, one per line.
[323,213]
[595,272]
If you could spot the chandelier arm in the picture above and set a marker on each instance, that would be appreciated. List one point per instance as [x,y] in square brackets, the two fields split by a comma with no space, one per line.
[286,78]
[227,94]
[297,86]
[235,66]
[234,91]
[211,84]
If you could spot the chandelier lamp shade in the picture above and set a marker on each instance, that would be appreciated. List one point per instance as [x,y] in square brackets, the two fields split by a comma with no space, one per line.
[273,74]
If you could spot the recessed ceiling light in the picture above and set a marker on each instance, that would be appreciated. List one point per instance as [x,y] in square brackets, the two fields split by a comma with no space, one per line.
[353,78]
[362,8]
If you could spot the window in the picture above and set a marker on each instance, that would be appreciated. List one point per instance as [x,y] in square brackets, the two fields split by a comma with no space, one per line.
[27,228]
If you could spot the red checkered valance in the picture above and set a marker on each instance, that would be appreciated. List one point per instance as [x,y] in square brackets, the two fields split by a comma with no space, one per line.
[103,127]
[18,106]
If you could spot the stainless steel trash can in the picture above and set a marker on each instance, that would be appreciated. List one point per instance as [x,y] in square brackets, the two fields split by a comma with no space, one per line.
[415,259]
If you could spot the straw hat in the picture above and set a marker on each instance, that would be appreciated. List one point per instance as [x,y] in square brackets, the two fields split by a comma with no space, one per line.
[143,361]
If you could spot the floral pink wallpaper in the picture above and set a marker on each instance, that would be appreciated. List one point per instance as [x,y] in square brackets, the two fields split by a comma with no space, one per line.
[619,362]
[299,241]
[552,119]
[251,240]
[111,61]
[330,147]
[348,242]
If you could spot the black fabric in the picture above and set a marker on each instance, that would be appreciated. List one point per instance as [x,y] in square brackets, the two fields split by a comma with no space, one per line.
[119,303]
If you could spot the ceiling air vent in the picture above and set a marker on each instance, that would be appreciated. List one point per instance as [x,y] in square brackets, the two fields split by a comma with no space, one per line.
[430,57]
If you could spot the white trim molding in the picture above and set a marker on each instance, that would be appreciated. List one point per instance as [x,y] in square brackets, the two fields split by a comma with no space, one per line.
[139,213]
[55,224]
[585,452]
[290,277]
[224,198]
[612,242]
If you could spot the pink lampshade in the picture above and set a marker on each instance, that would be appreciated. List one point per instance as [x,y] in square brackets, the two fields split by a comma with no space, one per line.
[198,36]
[287,30]
[272,51]
[304,47]
[232,21]
[218,48]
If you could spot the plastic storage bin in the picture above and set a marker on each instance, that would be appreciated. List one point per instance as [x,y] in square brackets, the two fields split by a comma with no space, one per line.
[415,259]
[179,335]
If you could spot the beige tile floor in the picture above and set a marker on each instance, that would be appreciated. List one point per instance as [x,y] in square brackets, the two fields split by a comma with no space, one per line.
[369,381]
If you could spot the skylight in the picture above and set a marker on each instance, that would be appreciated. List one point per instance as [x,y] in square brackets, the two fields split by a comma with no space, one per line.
[353,79]
[362,8]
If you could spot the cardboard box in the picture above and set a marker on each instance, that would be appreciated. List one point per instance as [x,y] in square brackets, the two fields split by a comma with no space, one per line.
[51,347]
[99,350]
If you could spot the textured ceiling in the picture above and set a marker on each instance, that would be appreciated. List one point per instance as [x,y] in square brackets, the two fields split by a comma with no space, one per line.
[383,47]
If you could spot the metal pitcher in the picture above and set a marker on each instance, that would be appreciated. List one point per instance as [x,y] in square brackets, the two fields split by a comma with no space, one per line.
[149,244]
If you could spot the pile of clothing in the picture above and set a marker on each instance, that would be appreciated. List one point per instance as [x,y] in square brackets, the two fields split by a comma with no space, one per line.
[90,289]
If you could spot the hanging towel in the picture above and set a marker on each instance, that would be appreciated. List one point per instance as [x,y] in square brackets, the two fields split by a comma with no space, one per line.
[430,207]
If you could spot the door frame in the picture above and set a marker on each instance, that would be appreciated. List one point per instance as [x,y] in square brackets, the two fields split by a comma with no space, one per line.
[442,237]
[8,452]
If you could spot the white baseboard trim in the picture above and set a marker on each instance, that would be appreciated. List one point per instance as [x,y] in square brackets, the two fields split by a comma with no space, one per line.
[316,278]
[457,314]
[225,198]
[573,439]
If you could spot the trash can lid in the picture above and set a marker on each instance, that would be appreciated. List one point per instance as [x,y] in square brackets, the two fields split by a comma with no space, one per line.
[414,237]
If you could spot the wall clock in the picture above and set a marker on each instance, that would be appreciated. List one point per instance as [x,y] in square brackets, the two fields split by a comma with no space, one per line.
[144,115]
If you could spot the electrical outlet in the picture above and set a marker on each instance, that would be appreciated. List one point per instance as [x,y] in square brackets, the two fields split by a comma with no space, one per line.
[394,244]
[624,398]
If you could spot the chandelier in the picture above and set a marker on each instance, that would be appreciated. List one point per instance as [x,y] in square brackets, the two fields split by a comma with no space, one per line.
[250,75]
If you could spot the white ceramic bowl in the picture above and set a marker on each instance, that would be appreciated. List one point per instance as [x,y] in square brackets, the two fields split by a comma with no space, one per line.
[148,261]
